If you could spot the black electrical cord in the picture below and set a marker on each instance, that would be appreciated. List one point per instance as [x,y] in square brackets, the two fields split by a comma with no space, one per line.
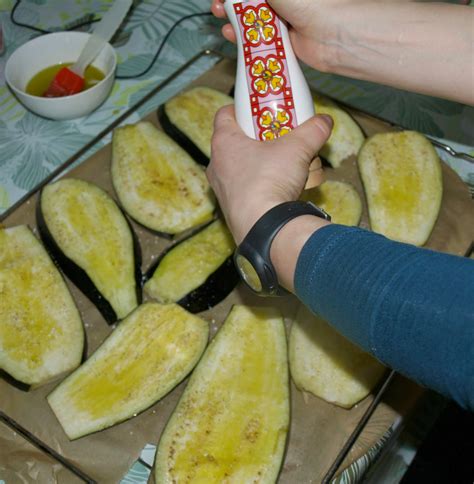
[162,44]
[118,76]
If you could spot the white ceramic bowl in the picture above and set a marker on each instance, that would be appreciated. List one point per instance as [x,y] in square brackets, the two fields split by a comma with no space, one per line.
[51,49]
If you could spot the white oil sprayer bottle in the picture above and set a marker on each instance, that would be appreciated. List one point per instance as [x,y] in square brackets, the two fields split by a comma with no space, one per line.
[271,93]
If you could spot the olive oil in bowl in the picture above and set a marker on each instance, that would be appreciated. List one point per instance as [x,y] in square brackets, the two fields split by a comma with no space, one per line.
[41,81]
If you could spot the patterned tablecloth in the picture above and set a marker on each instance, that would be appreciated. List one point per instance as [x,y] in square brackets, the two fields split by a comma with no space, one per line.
[31,147]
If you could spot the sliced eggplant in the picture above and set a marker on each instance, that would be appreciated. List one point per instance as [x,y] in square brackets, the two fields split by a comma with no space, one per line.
[91,240]
[157,182]
[189,119]
[328,365]
[402,178]
[41,333]
[143,359]
[232,420]
[346,138]
[197,272]
[338,199]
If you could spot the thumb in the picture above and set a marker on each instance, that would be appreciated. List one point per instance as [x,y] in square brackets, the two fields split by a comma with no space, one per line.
[225,126]
[225,120]
[308,138]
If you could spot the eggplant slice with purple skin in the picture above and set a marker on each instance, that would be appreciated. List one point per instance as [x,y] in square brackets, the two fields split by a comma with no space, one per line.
[197,272]
[41,332]
[189,119]
[89,237]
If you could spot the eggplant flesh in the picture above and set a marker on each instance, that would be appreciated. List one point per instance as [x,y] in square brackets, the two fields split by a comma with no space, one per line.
[142,360]
[41,332]
[189,119]
[338,199]
[231,422]
[91,240]
[328,365]
[197,272]
[402,178]
[158,184]
[346,137]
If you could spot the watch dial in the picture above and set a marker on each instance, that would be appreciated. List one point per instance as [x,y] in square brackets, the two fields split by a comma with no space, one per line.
[248,273]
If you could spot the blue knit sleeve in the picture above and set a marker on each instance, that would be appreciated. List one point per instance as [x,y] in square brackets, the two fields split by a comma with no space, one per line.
[412,308]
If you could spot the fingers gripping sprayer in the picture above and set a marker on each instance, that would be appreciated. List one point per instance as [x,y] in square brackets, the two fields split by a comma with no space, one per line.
[271,93]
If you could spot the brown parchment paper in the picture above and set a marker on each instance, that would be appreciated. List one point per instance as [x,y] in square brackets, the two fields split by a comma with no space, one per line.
[318,429]
[23,463]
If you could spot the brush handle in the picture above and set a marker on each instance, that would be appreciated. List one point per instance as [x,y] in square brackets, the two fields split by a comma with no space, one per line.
[271,94]
[101,34]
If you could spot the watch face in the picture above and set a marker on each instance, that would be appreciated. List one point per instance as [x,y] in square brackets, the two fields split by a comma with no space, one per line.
[248,273]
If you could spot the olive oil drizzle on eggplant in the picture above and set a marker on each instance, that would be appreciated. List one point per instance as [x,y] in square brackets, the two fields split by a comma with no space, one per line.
[142,360]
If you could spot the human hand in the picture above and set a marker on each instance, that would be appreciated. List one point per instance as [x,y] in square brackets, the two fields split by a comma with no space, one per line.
[311,28]
[249,177]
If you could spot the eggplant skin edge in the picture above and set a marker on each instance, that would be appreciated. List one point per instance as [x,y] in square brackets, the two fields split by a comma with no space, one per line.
[25,387]
[18,384]
[215,289]
[181,138]
[78,276]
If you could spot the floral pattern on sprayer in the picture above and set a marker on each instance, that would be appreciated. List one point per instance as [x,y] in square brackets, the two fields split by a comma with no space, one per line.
[274,123]
[267,73]
[259,25]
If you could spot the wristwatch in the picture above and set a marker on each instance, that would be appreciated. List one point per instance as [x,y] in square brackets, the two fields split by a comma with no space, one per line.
[252,256]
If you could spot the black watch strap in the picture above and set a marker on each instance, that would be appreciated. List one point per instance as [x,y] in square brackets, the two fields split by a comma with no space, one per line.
[255,248]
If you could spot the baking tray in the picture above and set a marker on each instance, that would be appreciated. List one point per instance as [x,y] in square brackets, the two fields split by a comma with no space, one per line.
[324,439]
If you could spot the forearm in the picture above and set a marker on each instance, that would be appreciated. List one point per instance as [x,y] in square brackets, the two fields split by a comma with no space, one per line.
[422,47]
[412,308]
